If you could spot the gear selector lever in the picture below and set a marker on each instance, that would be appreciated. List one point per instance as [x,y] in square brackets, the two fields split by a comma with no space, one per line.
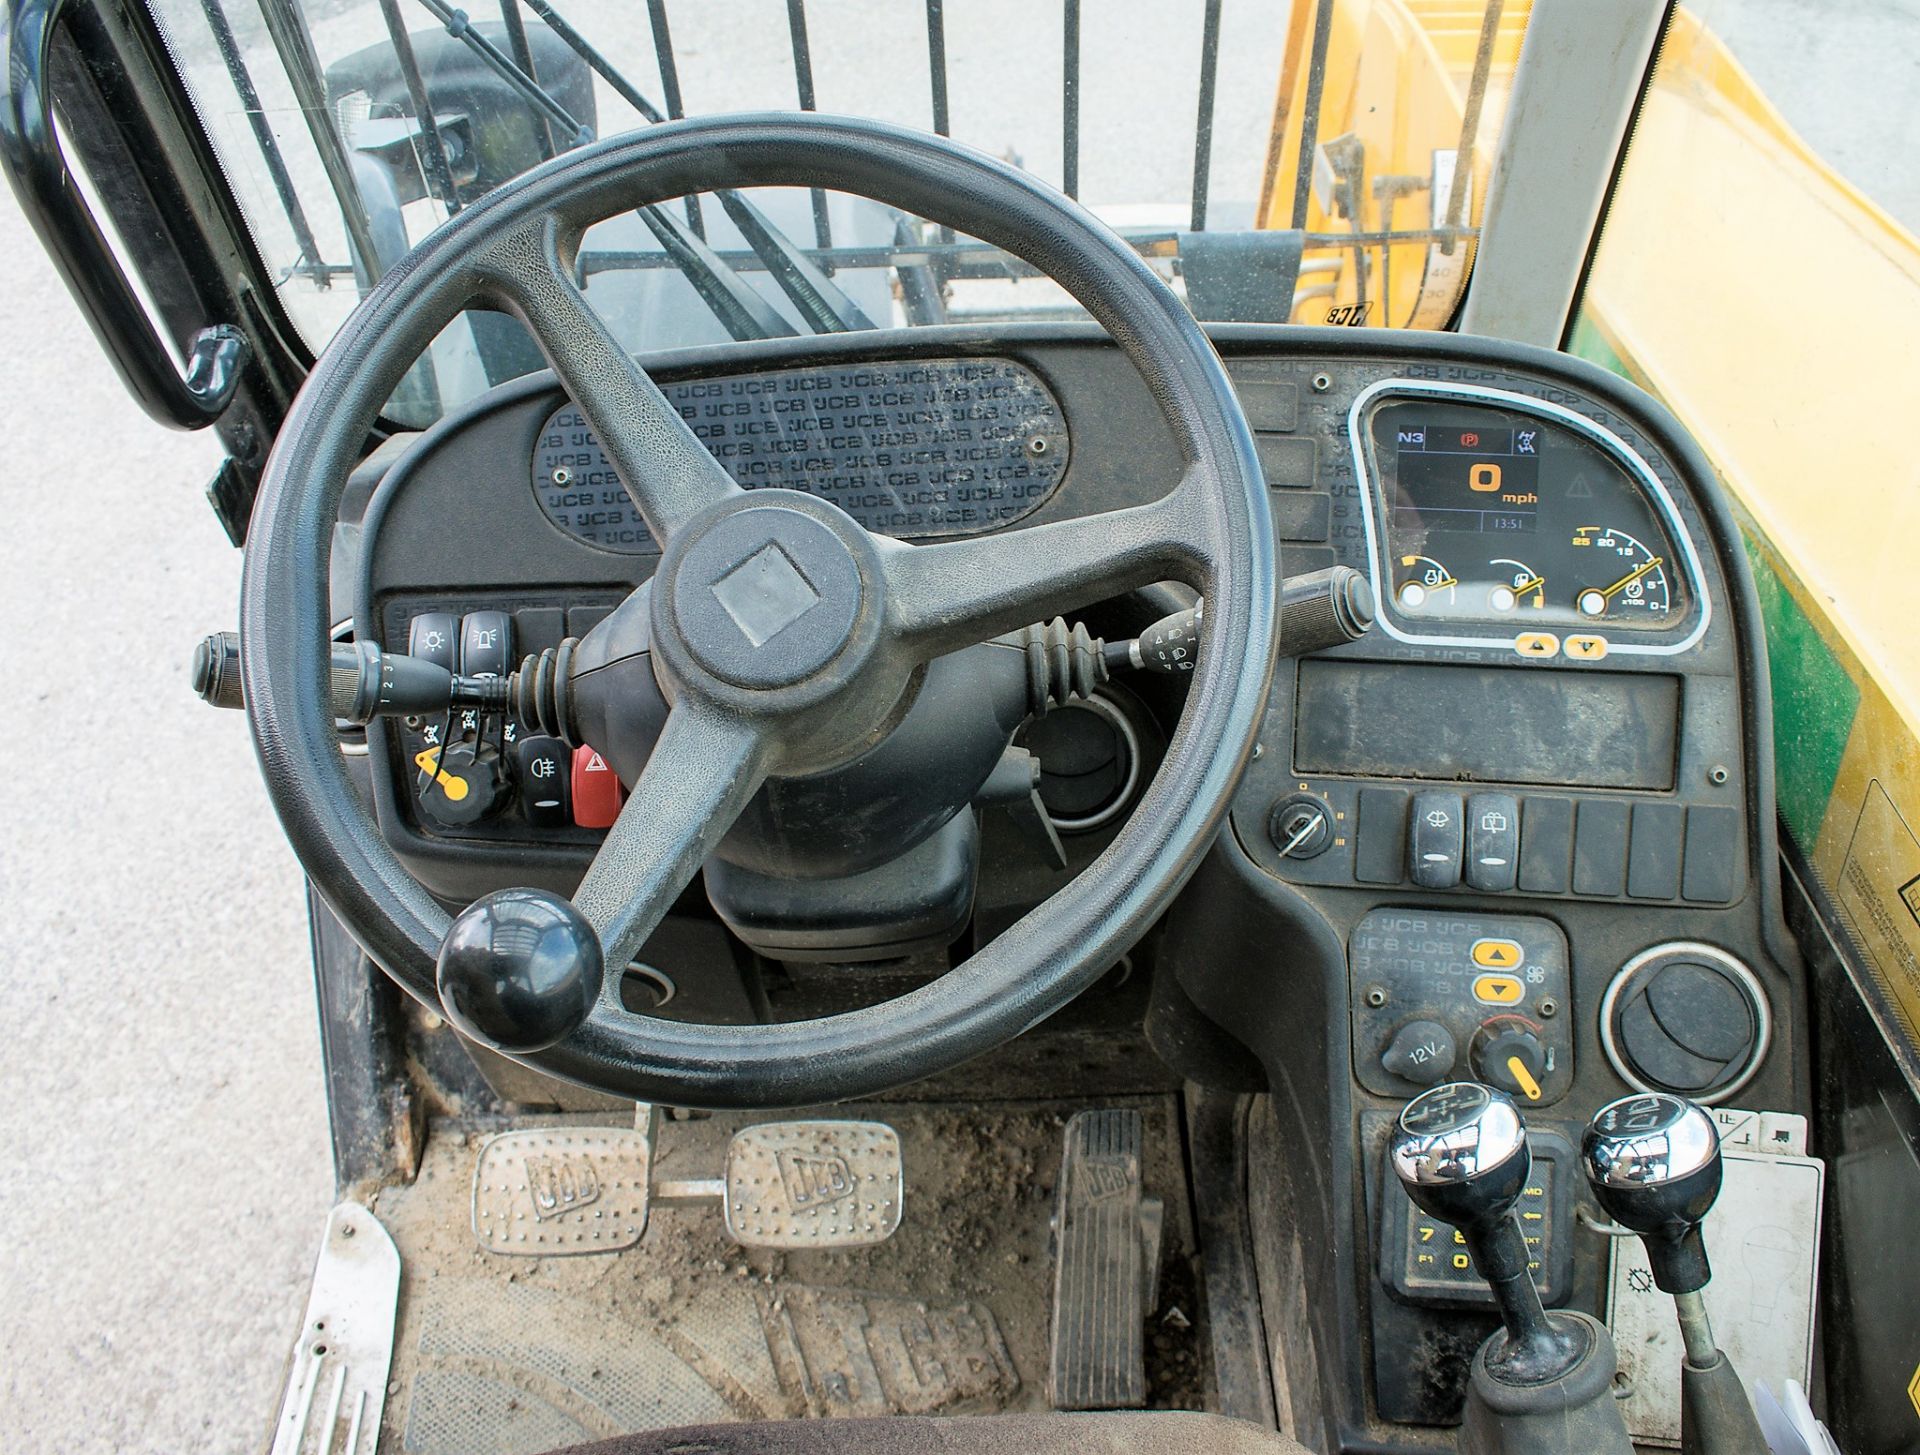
[1543,1382]
[1653,1161]
[1461,1152]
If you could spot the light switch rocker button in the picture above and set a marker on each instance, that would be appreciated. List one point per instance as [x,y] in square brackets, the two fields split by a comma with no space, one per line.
[545,769]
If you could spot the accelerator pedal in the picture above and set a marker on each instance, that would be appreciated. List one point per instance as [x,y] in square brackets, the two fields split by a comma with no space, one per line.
[1106,1268]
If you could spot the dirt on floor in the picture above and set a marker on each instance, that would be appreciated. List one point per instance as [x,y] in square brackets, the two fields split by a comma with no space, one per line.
[949,1315]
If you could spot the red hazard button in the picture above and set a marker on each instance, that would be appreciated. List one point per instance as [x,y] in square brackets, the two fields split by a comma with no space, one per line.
[597,794]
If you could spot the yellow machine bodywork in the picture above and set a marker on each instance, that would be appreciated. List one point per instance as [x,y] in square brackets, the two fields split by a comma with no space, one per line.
[1398,80]
[1770,304]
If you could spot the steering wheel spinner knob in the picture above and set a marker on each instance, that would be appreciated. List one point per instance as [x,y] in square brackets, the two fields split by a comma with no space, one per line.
[519,970]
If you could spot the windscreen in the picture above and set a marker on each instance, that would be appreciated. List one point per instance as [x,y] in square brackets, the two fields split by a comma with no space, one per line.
[1274,162]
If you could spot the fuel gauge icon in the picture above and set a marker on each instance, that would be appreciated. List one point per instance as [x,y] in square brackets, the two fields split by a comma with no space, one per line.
[1515,584]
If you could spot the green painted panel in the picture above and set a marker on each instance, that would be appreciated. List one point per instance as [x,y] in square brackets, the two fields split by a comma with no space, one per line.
[1814,703]
[1586,341]
[1814,697]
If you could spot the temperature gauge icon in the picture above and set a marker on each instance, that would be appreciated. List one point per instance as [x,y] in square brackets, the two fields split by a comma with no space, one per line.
[1427,584]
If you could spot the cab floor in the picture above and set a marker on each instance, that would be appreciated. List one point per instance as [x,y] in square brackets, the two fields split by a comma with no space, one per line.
[509,1355]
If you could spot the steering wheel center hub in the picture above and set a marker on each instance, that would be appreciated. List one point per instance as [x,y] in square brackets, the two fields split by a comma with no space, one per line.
[768,595]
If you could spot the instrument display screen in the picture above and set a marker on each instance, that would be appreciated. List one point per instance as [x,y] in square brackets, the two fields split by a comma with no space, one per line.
[1354,718]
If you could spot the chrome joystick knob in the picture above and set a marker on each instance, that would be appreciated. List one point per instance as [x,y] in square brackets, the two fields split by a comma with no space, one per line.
[1460,1151]
[1653,1161]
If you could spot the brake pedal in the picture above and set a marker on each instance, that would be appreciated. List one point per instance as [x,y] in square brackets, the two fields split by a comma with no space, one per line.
[553,1193]
[1106,1266]
[806,1185]
[573,1189]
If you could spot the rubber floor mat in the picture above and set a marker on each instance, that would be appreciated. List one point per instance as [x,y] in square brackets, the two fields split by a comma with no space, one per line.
[498,1355]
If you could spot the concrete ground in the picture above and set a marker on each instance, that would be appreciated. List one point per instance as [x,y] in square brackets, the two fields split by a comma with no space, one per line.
[166,1172]
[160,1100]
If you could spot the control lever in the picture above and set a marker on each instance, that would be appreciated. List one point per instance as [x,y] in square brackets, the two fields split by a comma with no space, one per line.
[1461,1152]
[1319,609]
[366,682]
[1654,1164]
[1544,1381]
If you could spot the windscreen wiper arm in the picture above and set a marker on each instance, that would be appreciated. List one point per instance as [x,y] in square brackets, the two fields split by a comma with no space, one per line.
[821,302]
[741,311]
[462,29]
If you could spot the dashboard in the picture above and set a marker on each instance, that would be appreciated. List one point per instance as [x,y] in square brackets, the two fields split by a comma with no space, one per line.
[1522,830]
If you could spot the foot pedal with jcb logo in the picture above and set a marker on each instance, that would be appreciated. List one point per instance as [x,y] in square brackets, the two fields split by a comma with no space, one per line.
[567,1190]
[1106,1266]
[589,1189]
[813,1185]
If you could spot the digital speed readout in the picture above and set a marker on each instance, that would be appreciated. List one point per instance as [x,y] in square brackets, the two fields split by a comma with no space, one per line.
[1468,479]
[1492,515]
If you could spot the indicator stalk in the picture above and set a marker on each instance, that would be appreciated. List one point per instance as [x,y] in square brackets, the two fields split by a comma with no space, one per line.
[365,682]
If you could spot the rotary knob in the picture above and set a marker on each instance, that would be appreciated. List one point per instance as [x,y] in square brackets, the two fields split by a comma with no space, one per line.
[461,786]
[1508,1055]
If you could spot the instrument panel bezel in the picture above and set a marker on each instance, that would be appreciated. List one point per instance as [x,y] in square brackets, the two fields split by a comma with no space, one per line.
[1369,480]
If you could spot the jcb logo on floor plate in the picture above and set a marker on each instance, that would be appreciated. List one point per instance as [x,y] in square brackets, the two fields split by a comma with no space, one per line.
[561,1184]
[814,1181]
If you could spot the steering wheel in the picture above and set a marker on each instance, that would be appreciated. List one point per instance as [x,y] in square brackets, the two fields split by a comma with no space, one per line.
[787,638]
